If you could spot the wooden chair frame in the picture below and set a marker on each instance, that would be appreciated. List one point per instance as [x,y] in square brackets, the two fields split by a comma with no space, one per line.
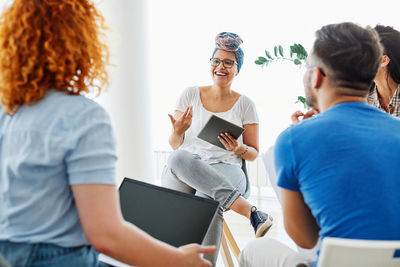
[228,242]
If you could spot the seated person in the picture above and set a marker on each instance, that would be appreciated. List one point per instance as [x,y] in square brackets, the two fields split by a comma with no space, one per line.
[335,178]
[199,167]
[385,92]
[58,199]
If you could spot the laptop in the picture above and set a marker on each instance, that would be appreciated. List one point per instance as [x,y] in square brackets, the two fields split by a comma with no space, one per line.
[168,215]
[171,216]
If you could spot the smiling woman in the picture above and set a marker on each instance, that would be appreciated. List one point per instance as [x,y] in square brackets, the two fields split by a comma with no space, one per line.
[203,169]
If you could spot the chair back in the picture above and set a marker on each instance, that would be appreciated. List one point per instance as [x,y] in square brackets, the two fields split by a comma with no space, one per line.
[268,159]
[359,253]
[248,187]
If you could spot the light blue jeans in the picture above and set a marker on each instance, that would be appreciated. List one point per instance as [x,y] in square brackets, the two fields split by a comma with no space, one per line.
[48,255]
[223,182]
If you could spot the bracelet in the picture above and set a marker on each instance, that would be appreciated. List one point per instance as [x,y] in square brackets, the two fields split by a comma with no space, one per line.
[247,149]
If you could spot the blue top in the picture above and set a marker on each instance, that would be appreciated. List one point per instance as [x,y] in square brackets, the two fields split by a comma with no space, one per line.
[345,162]
[60,141]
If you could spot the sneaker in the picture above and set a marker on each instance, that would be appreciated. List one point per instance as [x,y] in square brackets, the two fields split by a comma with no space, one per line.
[260,221]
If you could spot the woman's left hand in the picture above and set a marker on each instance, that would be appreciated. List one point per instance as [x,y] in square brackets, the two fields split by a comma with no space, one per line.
[229,142]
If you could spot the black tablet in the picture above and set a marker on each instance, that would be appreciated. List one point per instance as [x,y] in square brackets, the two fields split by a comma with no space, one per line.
[215,126]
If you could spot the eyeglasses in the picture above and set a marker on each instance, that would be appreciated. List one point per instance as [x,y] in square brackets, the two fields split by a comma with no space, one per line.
[228,63]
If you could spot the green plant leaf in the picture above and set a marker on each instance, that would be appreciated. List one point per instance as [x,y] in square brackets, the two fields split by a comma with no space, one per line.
[298,54]
[301,47]
[295,48]
[292,49]
[281,50]
[262,59]
[302,100]
[268,54]
[297,61]
[302,53]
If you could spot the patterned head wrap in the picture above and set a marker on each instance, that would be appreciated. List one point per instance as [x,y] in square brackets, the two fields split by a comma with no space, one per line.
[230,42]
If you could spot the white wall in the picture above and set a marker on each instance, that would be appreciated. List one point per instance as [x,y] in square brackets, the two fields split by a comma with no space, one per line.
[128,97]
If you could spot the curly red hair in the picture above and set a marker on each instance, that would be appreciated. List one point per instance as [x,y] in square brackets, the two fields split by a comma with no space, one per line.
[50,44]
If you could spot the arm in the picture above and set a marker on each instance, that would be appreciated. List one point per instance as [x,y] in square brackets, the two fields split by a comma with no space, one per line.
[299,222]
[105,229]
[250,139]
[181,121]
[249,149]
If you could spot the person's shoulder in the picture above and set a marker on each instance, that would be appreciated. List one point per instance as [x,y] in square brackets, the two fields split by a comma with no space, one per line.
[192,89]
[242,97]
[284,139]
[245,101]
[74,110]
[305,131]
[187,97]
[190,92]
[74,103]
[388,119]
[313,125]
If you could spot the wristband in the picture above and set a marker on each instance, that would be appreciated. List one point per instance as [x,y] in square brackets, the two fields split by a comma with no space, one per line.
[247,149]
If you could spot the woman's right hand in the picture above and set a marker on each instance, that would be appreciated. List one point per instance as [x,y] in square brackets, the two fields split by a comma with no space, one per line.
[183,122]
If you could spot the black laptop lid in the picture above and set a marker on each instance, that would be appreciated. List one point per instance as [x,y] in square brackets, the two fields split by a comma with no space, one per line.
[171,216]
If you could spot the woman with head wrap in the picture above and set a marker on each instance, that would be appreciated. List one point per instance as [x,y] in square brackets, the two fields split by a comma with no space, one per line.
[199,167]
[58,196]
[385,92]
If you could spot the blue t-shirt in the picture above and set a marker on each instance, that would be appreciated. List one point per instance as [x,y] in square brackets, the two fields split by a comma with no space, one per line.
[345,162]
[45,148]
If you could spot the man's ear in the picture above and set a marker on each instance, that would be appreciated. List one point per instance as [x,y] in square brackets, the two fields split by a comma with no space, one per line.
[317,78]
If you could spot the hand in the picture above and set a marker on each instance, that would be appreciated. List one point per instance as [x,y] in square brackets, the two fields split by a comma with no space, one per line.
[191,255]
[230,143]
[295,116]
[183,123]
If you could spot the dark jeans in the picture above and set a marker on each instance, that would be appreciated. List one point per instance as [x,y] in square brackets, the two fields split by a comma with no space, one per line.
[43,255]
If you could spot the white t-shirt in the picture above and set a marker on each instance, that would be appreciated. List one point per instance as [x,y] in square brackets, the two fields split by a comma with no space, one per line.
[243,112]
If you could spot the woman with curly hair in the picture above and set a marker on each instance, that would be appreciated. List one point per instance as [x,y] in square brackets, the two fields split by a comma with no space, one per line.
[58,199]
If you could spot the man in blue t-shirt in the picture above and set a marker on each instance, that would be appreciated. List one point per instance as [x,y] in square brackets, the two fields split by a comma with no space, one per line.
[338,171]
